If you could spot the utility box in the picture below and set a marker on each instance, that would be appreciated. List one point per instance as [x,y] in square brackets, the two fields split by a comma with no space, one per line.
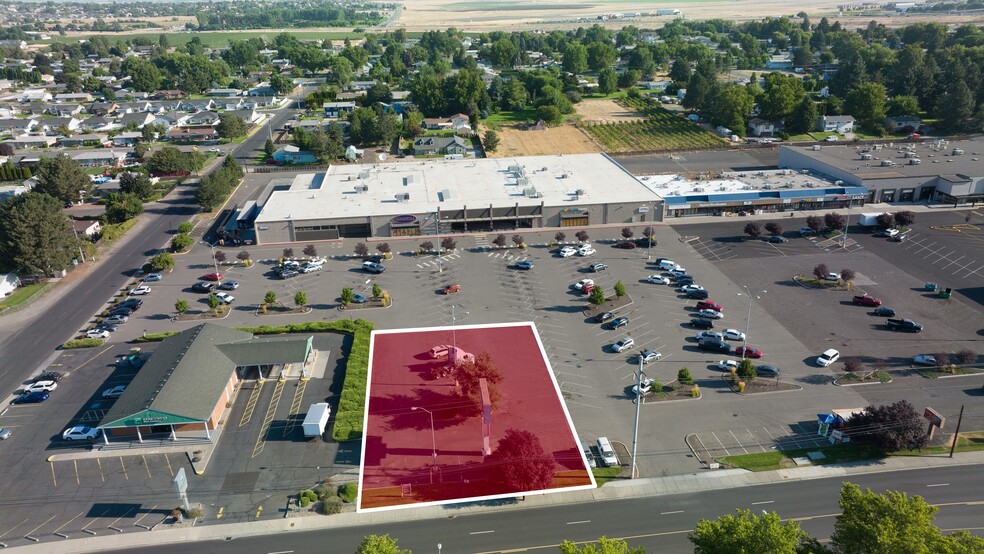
[316,420]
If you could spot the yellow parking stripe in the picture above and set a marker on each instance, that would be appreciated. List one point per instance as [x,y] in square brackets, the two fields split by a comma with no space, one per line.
[53,480]
[254,396]
[67,522]
[124,469]
[268,419]
[147,467]
[101,474]
[31,532]
[169,465]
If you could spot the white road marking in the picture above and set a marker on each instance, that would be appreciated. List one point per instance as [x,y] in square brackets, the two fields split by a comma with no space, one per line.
[763,502]
[578,522]
[668,513]
[939,485]
[480,532]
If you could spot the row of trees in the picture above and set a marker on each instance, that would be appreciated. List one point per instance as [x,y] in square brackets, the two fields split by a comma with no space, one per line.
[215,188]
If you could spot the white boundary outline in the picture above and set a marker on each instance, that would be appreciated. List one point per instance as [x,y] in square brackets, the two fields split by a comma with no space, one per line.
[553,379]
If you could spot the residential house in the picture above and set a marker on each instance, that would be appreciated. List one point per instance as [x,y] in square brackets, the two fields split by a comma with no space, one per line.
[262,89]
[77,141]
[97,123]
[97,158]
[73,97]
[169,95]
[51,126]
[280,63]
[337,109]
[395,107]
[202,118]
[446,123]
[17,125]
[9,191]
[400,96]
[87,227]
[224,92]
[902,123]
[139,118]
[8,111]
[835,123]
[33,95]
[759,127]
[103,108]
[256,102]
[344,96]
[127,139]
[360,85]
[429,146]
[196,105]
[233,103]
[249,116]
[290,154]
[8,282]
[782,61]
[192,134]
[173,119]
[134,107]
[38,109]
[66,110]
[30,141]
[13,44]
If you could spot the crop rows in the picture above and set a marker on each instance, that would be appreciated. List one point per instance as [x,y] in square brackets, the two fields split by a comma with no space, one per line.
[663,130]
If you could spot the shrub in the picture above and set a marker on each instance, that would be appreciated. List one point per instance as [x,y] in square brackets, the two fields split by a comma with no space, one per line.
[853,365]
[270,297]
[426,246]
[377,290]
[324,491]
[310,250]
[186,227]
[310,495]
[347,296]
[847,275]
[499,240]
[220,256]
[361,250]
[559,237]
[448,243]
[746,369]
[347,492]
[695,391]
[115,231]
[684,377]
[597,296]
[619,289]
[155,337]
[161,261]
[195,513]
[330,505]
[288,252]
[820,272]
[518,240]
[300,298]
[181,242]
[243,256]
[305,501]
[966,357]
[753,230]
[384,248]
[82,343]
[627,232]
[582,236]
[181,306]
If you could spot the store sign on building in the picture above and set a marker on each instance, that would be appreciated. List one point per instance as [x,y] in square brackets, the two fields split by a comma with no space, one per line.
[404,219]
[573,211]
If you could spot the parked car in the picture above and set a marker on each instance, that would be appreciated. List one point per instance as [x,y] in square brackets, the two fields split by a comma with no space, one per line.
[212,277]
[452,288]
[698,294]
[225,298]
[708,305]
[525,264]
[623,344]
[710,314]
[31,398]
[41,386]
[97,333]
[585,250]
[309,268]
[288,273]
[229,285]
[567,251]
[866,300]
[114,392]
[733,334]
[49,376]
[709,335]
[727,365]
[80,432]
[141,290]
[677,272]
[151,278]
[603,317]
[117,319]
[121,310]
[359,299]
[766,371]
[658,280]
[5,434]
[701,323]
[131,303]
[687,289]
[111,327]
[582,283]
[598,267]
[628,245]
[666,264]
[748,352]
[889,233]
[904,324]
[683,280]
[806,231]
[882,311]
[650,356]
[618,322]
[203,286]
[924,359]
[373,267]
[645,386]
[714,345]
[588,454]
[828,357]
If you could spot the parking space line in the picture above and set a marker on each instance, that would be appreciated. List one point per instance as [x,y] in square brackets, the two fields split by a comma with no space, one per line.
[121,517]
[31,532]
[11,530]
[53,480]
[755,440]
[63,525]
[76,464]
[124,469]
[953,262]
[150,511]
[101,474]
[95,519]
[254,396]
[773,437]
[168,460]
[147,466]
[726,453]
[295,407]
[268,419]
[737,441]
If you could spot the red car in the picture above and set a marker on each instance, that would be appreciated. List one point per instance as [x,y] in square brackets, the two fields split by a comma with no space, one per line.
[748,352]
[867,300]
[586,289]
[452,288]
[626,245]
[708,305]
[212,277]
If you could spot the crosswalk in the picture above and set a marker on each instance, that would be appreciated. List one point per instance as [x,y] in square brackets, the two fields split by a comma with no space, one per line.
[510,256]
[482,242]
[443,260]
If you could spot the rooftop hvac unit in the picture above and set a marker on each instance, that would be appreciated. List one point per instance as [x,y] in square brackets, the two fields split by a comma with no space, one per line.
[522,181]
[579,192]
[408,180]
[359,189]
[364,174]
[887,163]
[531,192]
[403,197]
[865,156]
[515,168]
[914,161]
[910,154]
[957,152]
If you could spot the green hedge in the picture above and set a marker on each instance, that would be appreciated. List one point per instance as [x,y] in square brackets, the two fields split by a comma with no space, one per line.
[155,337]
[115,231]
[352,406]
[82,343]
[347,492]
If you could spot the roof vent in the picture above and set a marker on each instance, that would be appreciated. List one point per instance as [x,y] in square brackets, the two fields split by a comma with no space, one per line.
[359,189]
[531,192]
[403,197]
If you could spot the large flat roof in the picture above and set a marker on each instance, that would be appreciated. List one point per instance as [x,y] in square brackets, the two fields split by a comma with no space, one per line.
[936,157]
[561,180]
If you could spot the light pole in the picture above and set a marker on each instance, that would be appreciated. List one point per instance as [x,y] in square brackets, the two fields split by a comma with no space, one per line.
[437,231]
[454,337]
[433,439]
[635,428]
[215,264]
[652,215]
[847,223]
[748,317]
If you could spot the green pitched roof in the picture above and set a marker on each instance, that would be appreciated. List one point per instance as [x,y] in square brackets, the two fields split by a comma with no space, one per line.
[268,350]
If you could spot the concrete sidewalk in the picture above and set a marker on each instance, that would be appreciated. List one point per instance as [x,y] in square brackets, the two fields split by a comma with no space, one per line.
[637,488]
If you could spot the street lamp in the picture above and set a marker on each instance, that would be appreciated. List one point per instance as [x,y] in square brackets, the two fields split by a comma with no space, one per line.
[847,223]
[433,440]
[454,337]
[748,317]
[215,264]
[437,231]
[652,216]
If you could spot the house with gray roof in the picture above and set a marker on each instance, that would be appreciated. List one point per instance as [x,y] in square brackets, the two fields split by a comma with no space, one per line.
[429,146]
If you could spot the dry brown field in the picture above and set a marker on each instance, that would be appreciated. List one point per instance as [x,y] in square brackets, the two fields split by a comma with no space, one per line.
[606,111]
[566,139]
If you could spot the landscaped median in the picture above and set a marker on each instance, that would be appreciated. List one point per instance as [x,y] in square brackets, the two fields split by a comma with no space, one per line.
[842,453]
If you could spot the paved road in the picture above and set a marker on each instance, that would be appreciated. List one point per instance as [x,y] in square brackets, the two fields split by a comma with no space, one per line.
[660,524]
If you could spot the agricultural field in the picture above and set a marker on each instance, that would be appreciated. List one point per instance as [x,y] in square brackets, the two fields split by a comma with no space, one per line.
[218,39]
[660,131]
[564,139]
[606,111]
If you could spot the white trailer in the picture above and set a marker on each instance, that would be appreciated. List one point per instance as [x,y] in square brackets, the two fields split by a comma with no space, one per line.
[869,219]
[316,420]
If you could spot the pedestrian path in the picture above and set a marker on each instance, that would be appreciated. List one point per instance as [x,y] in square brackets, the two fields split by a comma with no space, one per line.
[444,259]
[482,242]
[507,255]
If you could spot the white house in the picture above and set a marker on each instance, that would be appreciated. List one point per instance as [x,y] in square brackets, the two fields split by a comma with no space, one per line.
[8,283]
[836,124]
[759,127]
[290,154]
[337,109]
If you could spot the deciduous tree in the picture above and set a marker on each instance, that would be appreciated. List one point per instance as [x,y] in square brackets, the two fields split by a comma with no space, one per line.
[890,427]
[62,178]
[820,271]
[603,546]
[123,206]
[904,218]
[136,182]
[379,544]
[885,524]
[522,463]
[753,230]
[747,532]
[773,228]
[231,126]
[834,220]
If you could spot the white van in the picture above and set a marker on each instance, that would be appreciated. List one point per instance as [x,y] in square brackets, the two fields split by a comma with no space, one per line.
[608,456]
[667,265]
[828,357]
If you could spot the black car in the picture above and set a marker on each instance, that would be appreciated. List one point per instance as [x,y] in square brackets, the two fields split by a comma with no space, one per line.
[715,345]
[603,317]
[884,312]
[121,311]
[49,376]
[598,267]
[766,371]
[777,239]
[698,294]
[684,280]
[618,322]
[204,286]
[701,323]
[132,303]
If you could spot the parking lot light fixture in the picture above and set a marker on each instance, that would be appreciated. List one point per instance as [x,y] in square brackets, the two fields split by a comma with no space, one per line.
[748,316]
[433,439]
[215,264]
